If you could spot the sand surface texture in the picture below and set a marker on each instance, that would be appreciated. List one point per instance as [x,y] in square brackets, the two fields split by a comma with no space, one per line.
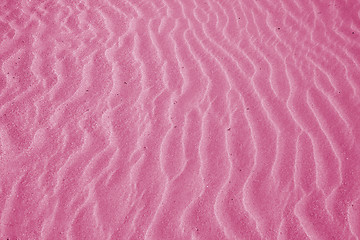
[179,119]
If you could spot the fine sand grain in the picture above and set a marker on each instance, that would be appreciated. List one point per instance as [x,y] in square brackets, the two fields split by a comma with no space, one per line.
[179,119]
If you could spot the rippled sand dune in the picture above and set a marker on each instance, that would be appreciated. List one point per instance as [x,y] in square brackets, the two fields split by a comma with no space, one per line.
[180,119]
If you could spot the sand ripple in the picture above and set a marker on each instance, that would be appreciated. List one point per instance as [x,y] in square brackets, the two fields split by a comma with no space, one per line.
[169,119]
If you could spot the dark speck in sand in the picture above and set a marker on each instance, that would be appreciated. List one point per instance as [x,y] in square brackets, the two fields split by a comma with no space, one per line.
[353,32]
[229,129]
[247,108]
[278,28]
[125,82]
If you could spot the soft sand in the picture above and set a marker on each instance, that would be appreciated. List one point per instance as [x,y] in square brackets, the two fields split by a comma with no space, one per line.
[179,119]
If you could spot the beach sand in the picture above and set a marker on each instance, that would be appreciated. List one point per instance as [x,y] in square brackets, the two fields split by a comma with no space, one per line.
[179,119]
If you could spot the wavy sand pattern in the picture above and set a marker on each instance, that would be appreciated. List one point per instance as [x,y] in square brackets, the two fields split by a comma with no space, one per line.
[180,119]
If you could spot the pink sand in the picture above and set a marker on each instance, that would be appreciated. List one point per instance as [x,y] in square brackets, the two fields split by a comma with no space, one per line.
[180,119]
